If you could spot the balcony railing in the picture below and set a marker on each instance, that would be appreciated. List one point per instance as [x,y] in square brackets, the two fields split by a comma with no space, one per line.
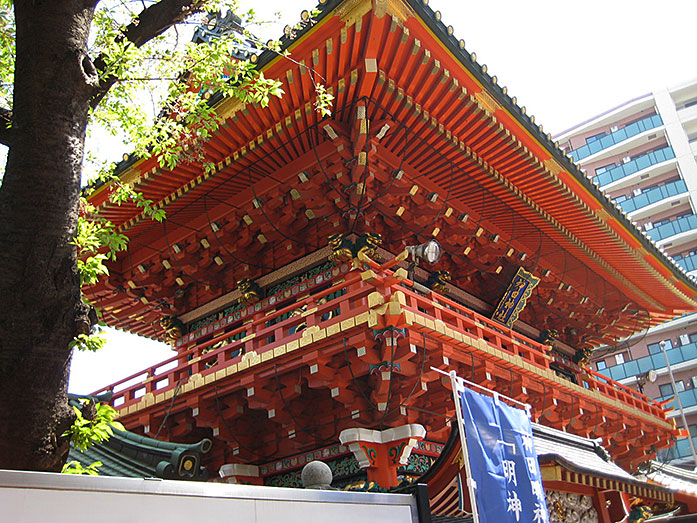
[334,309]
[689,263]
[666,230]
[653,195]
[638,164]
[261,333]
[654,361]
[618,136]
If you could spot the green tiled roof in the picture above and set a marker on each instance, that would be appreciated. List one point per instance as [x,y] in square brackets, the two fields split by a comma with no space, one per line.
[127,454]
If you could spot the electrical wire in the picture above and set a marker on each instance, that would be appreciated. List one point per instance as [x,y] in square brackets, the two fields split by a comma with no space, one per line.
[416,382]
[232,434]
[354,380]
[290,413]
[238,260]
[177,390]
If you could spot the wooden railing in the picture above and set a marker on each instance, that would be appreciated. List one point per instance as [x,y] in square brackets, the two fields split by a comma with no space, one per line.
[460,318]
[262,333]
[348,293]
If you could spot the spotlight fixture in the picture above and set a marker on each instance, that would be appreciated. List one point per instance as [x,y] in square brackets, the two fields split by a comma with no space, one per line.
[647,377]
[430,252]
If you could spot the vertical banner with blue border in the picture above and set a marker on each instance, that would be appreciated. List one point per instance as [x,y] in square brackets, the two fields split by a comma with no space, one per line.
[503,461]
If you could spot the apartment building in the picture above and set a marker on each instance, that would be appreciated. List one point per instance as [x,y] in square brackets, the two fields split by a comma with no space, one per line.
[642,155]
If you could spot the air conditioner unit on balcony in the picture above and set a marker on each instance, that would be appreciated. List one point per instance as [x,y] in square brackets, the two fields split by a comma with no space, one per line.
[684,340]
[613,128]
[648,226]
[637,191]
[626,159]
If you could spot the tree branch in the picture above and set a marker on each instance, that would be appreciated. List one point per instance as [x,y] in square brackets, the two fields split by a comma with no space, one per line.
[5,126]
[150,23]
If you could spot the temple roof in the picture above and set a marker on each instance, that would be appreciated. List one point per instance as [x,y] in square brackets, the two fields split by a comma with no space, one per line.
[577,454]
[127,454]
[672,477]
[422,142]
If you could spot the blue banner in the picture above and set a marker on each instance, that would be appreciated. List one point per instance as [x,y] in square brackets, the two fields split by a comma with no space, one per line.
[503,461]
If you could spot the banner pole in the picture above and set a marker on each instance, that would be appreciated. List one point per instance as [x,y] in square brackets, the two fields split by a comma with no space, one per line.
[471,484]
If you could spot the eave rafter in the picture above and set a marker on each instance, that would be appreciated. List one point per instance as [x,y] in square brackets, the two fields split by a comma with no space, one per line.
[540,158]
[470,128]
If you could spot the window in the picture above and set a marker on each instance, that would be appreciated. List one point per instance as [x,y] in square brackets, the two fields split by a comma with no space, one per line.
[654,348]
[595,137]
[604,168]
[619,359]
[601,365]
[666,389]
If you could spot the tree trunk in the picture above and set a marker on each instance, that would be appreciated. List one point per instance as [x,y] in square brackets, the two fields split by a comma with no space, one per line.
[39,284]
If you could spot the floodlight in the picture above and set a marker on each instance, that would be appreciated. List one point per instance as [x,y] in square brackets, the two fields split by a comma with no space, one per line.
[430,251]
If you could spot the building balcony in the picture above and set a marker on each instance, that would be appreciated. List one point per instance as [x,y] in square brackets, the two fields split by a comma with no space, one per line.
[689,263]
[687,114]
[652,197]
[636,168]
[616,137]
[681,226]
[632,368]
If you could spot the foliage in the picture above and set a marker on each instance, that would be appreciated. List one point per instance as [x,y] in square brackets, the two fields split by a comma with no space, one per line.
[91,342]
[7,39]
[75,467]
[86,432]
